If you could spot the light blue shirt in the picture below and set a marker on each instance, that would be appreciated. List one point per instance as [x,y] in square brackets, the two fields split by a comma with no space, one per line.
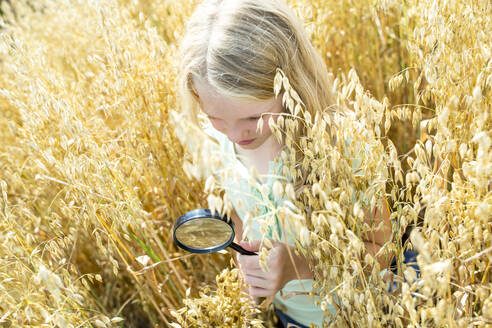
[246,198]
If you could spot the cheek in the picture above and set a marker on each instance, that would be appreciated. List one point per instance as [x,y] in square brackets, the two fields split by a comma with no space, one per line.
[219,126]
[266,126]
[251,127]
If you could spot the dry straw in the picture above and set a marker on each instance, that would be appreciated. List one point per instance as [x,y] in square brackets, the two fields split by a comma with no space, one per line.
[91,175]
[89,164]
[227,306]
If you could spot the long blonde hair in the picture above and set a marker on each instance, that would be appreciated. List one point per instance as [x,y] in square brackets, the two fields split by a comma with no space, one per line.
[236,46]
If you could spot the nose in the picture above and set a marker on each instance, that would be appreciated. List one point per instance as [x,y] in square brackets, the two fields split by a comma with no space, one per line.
[237,133]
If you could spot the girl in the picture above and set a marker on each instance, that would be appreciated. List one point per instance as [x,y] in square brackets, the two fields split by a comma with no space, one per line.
[231,52]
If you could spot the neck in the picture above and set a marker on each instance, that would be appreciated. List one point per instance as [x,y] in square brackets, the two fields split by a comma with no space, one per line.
[268,150]
[261,156]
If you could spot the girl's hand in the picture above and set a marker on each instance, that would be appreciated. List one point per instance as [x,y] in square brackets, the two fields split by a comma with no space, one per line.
[281,269]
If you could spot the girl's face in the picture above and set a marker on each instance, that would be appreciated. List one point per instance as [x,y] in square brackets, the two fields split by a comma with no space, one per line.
[238,118]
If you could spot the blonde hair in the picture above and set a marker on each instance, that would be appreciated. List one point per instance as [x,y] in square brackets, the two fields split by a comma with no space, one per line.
[236,47]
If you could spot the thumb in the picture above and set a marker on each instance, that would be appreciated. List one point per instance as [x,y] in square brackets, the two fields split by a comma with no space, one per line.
[252,245]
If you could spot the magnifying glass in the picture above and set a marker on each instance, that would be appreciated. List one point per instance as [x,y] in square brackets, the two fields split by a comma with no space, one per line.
[201,231]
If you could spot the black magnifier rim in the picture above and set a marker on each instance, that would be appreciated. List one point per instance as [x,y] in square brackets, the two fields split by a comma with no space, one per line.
[197,214]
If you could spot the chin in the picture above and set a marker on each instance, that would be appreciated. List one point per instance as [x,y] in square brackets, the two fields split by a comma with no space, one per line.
[250,146]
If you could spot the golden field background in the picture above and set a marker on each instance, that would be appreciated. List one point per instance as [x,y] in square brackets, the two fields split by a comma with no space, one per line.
[91,169]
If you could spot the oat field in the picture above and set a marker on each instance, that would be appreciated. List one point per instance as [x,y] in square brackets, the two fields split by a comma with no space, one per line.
[96,165]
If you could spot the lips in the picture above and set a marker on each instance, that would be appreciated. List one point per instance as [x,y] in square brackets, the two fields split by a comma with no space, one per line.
[245,142]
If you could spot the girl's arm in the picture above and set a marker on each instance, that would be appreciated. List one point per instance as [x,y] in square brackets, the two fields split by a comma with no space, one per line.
[376,238]
[282,268]
[238,226]
[238,231]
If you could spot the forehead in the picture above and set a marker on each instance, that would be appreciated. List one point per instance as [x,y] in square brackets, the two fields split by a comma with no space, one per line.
[226,107]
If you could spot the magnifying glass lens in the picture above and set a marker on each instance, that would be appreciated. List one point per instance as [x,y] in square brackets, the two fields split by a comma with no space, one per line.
[204,233]
[201,231]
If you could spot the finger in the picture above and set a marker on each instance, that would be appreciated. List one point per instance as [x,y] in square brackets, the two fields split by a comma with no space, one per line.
[252,246]
[258,282]
[249,262]
[258,273]
[261,292]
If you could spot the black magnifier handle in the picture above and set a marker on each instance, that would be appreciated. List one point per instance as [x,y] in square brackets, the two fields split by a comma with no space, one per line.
[241,250]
